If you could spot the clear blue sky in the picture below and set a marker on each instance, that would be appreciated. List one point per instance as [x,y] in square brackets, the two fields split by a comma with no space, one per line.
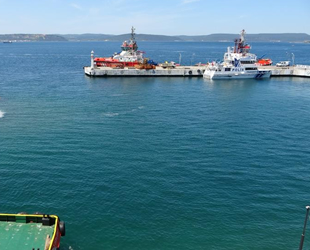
[166,17]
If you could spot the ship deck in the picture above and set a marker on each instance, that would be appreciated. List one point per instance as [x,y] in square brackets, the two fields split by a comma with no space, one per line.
[23,236]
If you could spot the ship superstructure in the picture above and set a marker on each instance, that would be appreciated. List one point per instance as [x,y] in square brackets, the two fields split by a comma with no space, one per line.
[128,57]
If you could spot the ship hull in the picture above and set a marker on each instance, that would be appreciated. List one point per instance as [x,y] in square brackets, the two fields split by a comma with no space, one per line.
[217,75]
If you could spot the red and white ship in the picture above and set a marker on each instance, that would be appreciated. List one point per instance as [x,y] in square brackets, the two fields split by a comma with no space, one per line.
[128,57]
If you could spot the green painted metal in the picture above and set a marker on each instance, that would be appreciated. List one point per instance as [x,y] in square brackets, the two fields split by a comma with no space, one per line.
[23,236]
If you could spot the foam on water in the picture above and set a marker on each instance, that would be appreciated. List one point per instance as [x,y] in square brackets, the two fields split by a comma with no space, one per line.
[110,114]
[117,95]
[1,114]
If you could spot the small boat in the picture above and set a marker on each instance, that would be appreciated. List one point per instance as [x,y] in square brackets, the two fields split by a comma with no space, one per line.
[30,231]
[238,63]
[264,62]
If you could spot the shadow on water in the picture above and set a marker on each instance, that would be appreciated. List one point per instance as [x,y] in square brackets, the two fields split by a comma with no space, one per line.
[102,82]
[233,84]
[291,79]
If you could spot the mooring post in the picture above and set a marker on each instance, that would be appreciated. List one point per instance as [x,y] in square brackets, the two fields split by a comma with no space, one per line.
[304,230]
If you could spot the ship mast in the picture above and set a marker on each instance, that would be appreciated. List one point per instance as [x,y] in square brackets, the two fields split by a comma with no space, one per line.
[133,39]
[133,34]
[242,36]
[241,42]
[240,46]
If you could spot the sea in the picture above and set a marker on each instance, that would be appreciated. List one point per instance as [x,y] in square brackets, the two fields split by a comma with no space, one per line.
[155,163]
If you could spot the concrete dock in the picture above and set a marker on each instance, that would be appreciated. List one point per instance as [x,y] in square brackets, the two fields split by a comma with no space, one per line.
[183,71]
[296,70]
[187,71]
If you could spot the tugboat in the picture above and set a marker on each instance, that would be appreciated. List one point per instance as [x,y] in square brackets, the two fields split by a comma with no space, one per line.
[238,63]
[30,231]
[128,57]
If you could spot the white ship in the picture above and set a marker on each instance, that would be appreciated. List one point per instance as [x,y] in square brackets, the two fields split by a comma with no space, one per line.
[238,63]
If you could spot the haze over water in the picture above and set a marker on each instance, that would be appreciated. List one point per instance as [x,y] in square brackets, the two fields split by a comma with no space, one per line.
[155,163]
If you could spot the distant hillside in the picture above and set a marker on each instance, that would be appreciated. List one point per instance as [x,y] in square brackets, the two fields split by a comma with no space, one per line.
[31,37]
[86,37]
[123,37]
[263,37]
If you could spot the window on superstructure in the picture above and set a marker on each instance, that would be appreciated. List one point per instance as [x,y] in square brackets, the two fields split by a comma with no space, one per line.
[246,62]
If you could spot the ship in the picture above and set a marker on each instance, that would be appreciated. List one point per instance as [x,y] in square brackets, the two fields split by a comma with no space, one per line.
[129,56]
[238,63]
[30,231]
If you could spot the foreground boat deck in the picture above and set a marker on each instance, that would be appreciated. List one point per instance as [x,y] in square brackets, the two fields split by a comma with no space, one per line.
[31,235]
[30,231]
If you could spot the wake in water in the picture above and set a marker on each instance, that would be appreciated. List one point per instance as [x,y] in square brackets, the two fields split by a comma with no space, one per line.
[1,114]
[111,114]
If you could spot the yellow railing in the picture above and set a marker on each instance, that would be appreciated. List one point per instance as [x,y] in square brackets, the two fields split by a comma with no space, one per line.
[38,216]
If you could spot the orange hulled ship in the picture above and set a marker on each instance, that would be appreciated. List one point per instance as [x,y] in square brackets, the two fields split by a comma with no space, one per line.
[130,56]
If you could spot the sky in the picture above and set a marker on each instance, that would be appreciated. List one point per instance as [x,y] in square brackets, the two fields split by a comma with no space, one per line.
[161,17]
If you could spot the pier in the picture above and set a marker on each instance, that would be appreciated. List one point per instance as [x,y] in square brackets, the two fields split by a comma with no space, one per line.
[187,71]
[292,71]
[158,71]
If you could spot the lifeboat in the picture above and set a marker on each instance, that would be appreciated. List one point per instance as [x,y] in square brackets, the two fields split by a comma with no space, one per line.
[264,62]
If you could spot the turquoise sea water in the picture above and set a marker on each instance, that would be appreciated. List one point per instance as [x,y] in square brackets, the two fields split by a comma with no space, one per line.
[163,163]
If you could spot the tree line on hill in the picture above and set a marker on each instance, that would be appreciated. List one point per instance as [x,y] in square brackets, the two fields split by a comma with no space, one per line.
[263,37]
